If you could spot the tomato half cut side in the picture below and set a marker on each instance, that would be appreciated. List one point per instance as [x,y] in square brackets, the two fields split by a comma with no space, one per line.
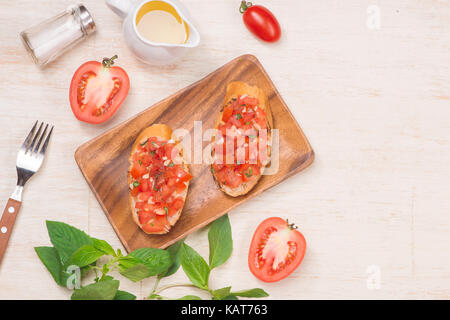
[276,250]
[97,90]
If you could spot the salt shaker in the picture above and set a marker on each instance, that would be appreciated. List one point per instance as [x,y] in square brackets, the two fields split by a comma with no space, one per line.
[50,38]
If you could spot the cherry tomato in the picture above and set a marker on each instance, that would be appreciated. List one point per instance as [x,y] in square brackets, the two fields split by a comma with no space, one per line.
[276,250]
[260,21]
[97,90]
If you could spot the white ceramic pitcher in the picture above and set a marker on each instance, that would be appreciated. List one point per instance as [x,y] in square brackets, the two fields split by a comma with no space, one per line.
[148,51]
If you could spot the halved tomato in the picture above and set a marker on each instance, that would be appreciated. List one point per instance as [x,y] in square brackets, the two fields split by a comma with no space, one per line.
[97,90]
[276,250]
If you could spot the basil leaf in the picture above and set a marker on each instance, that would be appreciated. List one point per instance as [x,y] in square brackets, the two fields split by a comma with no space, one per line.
[104,246]
[190,297]
[103,290]
[174,251]
[194,266]
[251,293]
[123,295]
[220,294]
[220,242]
[84,256]
[66,239]
[133,269]
[50,258]
[156,260]
[231,297]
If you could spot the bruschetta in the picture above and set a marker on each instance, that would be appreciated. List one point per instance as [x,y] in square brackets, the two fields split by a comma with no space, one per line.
[158,179]
[245,114]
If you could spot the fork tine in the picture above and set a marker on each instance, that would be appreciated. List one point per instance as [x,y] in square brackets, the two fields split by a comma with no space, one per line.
[26,143]
[35,138]
[40,139]
[44,147]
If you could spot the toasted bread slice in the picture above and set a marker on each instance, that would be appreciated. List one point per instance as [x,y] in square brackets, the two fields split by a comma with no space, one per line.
[234,90]
[161,132]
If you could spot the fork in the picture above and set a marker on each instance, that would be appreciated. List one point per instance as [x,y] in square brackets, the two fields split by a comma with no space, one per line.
[29,160]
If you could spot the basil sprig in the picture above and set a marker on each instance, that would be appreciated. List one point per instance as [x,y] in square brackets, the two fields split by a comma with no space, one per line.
[198,270]
[74,254]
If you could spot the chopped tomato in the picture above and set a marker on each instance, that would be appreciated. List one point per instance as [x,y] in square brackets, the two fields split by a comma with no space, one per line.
[276,250]
[138,170]
[157,181]
[157,224]
[144,196]
[243,119]
[145,216]
[227,112]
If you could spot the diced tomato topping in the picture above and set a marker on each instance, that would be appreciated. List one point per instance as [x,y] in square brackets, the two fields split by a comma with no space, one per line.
[162,183]
[180,186]
[145,216]
[144,196]
[242,118]
[227,112]
[156,224]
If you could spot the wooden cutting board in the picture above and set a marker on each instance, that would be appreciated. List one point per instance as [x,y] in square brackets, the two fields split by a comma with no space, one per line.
[104,160]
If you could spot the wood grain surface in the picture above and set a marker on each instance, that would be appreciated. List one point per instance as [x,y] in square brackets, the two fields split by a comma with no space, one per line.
[104,160]
[7,224]
[374,103]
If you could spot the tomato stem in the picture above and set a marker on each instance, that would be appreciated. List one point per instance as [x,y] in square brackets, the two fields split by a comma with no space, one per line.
[291,226]
[108,62]
[244,6]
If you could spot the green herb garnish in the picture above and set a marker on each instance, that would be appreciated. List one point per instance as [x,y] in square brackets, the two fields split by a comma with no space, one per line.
[166,210]
[238,116]
[136,183]
[74,248]
[171,164]
[249,174]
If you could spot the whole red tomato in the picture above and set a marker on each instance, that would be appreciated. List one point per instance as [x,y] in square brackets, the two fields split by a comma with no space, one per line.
[260,21]
[97,90]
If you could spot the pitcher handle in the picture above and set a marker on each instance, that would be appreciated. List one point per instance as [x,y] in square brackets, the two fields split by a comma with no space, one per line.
[119,7]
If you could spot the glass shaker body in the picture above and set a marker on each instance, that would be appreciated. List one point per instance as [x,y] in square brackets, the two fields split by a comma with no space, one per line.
[50,38]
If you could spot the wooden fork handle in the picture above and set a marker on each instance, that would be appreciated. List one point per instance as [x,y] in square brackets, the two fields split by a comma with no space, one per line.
[7,223]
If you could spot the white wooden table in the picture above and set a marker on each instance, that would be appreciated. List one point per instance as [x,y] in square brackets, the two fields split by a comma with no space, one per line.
[373,97]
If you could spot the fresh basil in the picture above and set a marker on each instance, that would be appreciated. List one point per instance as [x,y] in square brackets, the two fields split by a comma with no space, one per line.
[194,266]
[136,183]
[133,269]
[174,251]
[231,297]
[190,297]
[220,294]
[143,263]
[156,260]
[50,258]
[238,116]
[104,246]
[66,239]
[251,293]
[102,290]
[75,253]
[220,242]
[123,295]
[84,256]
